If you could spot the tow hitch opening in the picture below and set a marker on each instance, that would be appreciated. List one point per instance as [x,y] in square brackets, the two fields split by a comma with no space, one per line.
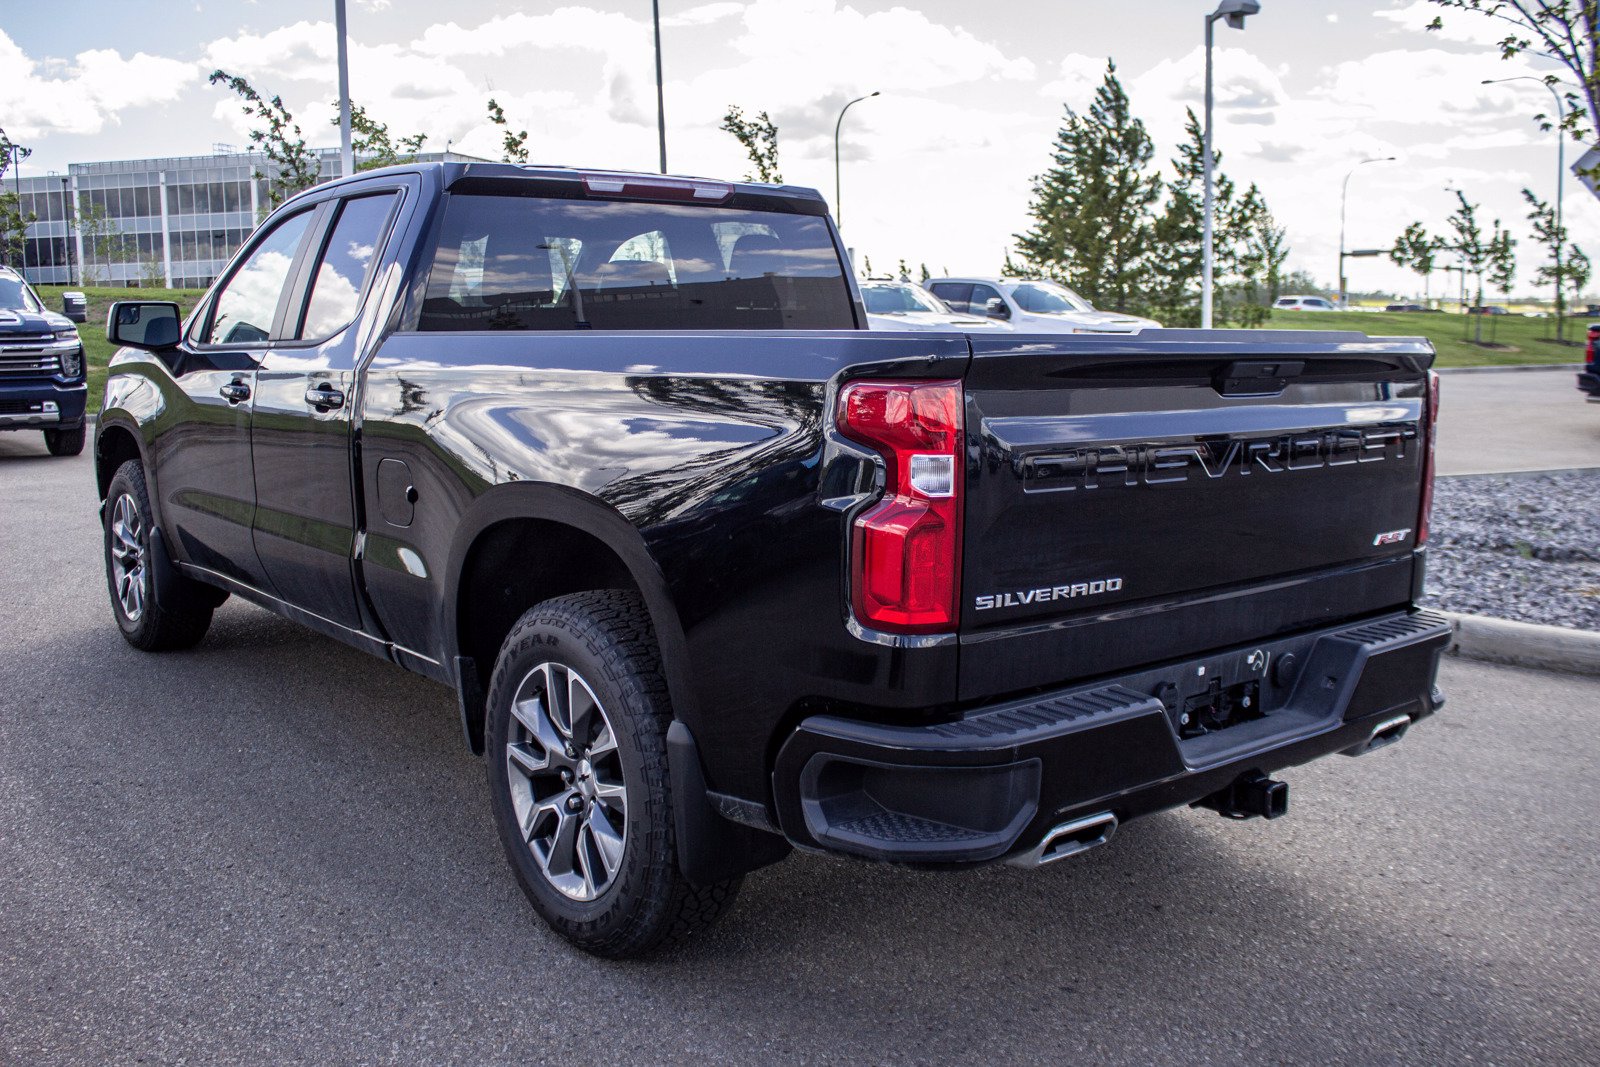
[1251,795]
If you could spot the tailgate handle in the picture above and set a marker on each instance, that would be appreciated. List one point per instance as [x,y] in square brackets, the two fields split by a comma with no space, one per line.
[1257,377]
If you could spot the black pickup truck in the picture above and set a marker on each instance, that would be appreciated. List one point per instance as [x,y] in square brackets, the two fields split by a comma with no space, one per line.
[715,572]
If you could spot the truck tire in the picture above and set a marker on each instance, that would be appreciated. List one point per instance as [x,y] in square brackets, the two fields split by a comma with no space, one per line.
[156,608]
[64,442]
[577,751]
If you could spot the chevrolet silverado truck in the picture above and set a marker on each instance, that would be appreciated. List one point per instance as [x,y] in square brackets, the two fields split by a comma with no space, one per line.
[715,572]
[42,385]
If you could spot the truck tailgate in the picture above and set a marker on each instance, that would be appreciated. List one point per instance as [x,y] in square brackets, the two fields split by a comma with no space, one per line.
[1135,500]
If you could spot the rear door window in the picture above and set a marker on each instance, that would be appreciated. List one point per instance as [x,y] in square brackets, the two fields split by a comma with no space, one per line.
[978,302]
[522,263]
[345,266]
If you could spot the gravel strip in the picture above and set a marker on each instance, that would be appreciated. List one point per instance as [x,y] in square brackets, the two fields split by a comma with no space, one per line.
[1524,547]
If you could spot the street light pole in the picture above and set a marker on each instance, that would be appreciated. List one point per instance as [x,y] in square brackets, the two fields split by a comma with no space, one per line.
[1235,12]
[1344,197]
[661,98]
[838,210]
[347,164]
[1561,175]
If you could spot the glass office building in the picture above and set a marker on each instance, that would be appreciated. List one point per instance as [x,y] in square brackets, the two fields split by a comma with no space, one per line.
[172,223]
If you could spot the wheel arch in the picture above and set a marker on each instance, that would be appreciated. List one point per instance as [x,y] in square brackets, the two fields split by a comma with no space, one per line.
[115,442]
[595,547]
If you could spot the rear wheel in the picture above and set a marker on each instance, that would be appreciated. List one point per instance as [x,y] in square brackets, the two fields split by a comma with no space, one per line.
[156,608]
[64,442]
[578,717]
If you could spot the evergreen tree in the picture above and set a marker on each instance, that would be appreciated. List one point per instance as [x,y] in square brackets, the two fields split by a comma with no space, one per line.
[1179,231]
[1091,209]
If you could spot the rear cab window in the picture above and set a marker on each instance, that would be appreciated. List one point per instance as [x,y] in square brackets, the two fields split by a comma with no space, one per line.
[525,263]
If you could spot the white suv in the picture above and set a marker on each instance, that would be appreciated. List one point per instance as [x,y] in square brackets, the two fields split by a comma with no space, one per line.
[1033,306]
[1303,303]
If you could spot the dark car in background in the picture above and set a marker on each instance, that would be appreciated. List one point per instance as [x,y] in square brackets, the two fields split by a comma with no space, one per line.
[1589,377]
[42,369]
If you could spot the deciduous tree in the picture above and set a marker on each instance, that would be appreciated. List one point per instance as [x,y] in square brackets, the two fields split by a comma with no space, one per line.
[759,136]
[1415,249]
[295,167]
[514,143]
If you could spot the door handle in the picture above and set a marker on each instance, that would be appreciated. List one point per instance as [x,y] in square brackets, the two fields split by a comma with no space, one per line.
[324,397]
[235,392]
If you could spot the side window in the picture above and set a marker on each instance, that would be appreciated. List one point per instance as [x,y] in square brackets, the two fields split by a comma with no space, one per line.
[981,295]
[248,301]
[345,266]
[955,294]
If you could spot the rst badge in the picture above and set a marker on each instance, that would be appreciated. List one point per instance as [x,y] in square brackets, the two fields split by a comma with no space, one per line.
[1393,537]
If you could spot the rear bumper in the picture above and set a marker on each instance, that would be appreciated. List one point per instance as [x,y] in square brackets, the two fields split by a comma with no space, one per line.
[1589,382]
[42,405]
[997,781]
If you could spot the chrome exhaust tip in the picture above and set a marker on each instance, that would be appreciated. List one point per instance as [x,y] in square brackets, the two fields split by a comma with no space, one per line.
[1069,839]
[1384,734]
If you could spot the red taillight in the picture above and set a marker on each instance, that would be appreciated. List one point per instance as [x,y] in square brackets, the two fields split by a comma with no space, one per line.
[906,550]
[1426,515]
[1588,348]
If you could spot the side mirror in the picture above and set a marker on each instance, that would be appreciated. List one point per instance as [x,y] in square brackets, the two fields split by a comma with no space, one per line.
[996,308]
[152,324]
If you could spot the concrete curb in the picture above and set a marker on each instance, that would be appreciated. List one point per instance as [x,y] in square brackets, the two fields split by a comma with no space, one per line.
[1510,368]
[1524,644]
[1522,474]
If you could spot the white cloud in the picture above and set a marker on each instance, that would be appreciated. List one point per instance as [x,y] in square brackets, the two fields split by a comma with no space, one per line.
[1077,78]
[703,15]
[84,95]
[1412,17]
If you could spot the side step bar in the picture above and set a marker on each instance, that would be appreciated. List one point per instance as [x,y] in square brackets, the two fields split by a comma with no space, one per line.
[1069,839]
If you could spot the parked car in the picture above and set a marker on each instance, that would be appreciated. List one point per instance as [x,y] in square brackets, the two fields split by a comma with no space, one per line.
[714,571]
[1488,309]
[1033,306]
[42,383]
[1410,308]
[904,306]
[1303,303]
[1589,377]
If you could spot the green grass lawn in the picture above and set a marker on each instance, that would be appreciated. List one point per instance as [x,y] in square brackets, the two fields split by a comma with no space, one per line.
[1525,340]
[96,348]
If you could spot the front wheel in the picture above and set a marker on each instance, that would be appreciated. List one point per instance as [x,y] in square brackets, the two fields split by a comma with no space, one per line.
[156,608]
[64,442]
[578,717]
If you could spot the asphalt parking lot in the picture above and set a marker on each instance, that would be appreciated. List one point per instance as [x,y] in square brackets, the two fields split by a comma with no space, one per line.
[1554,428]
[274,849]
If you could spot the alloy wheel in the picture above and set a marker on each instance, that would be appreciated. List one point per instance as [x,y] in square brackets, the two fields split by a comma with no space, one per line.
[128,572]
[566,781]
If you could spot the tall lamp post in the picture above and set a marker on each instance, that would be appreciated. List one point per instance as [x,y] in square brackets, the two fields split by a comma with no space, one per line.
[1561,173]
[661,98]
[347,159]
[838,212]
[1344,197]
[67,214]
[1235,11]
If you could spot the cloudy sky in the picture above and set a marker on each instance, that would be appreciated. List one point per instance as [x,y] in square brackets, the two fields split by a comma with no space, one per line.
[936,169]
